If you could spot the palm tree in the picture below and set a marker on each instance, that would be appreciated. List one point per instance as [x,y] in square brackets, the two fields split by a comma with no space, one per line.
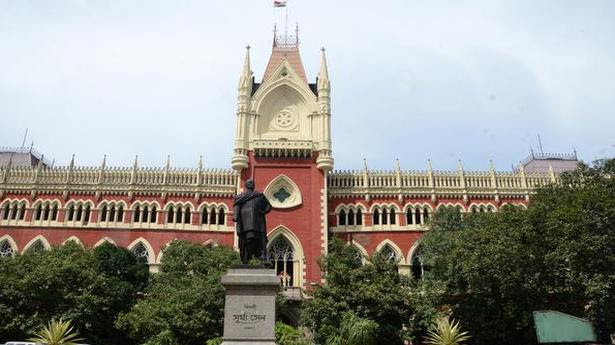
[446,332]
[56,333]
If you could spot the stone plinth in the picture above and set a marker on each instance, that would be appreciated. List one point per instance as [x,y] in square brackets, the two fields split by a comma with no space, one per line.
[249,309]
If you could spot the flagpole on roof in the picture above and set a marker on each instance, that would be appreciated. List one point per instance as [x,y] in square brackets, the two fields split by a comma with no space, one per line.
[286,21]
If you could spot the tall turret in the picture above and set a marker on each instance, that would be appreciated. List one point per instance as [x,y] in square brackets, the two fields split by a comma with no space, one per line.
[240,157]
[324,161]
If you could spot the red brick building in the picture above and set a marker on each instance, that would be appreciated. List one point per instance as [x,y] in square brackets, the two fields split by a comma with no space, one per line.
[283,142]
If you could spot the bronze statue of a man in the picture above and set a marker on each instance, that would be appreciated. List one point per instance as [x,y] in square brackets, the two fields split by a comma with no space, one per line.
[250,208]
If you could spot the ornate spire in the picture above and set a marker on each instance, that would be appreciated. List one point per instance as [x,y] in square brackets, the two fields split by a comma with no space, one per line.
[323,75]
[245,82]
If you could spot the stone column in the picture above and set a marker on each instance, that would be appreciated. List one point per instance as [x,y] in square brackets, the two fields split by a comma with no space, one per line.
[249,309]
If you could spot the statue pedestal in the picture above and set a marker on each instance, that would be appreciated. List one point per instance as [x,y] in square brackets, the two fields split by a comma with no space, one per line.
[249,309]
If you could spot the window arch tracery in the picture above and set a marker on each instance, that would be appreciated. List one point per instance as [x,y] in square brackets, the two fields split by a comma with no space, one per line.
[281,254]
[6,250]
[140,251]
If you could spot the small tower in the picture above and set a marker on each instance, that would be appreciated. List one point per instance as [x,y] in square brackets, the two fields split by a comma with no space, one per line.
[240,157]
[284,116]
[325,160]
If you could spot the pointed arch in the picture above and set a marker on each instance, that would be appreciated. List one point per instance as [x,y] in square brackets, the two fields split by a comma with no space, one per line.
[104,240]
[298,257]
[13,245]
[210,243]
[276,80]
[112,201]
[145,202]
[361,249]
[38,238]
[412,250]
[393,246]
[283,192]
[74,239]
[151,255]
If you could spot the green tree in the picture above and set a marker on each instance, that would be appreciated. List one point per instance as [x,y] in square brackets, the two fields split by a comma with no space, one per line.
[63,283]
[374,291]
[495,269]
[354,330]
[184,303]
[288,335]
[57,333]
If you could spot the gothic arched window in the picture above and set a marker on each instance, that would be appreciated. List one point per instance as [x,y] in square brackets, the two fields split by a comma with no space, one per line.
[171,214]
[221,216]
[351,217]
[392,217]
[342,218]
[359,217]
[145,216]
[6,250]
[204,216]
[153,215]
[376,217]
[136,216]
[36,247]
[281,253]
[5,211]
[388,253]
[38,214]
[140,251]
[103,213]
[212,216]
[112,213]
[120,213]
[187,214]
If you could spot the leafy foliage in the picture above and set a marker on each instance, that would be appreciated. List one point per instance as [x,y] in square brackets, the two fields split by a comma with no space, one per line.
[354,331]
[373,291]
[288,335]
[495,269]
[68,282]
[446,332]
[56,333]
[184,303]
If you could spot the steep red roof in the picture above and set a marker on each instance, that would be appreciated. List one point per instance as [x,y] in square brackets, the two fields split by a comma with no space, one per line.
[288,51]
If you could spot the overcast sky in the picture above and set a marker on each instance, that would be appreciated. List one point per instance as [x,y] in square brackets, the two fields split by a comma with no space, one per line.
[446,80]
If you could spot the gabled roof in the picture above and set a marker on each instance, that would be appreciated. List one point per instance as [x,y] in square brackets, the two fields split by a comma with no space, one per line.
[285,48]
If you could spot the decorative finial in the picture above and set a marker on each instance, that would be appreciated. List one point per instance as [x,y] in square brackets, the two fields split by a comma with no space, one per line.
[323,75]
